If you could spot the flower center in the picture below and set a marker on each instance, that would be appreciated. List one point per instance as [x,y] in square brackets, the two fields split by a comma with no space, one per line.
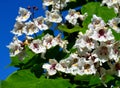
[87,66]
[53,66]
[101,32]
[103,50]
[35,45]
[88,40]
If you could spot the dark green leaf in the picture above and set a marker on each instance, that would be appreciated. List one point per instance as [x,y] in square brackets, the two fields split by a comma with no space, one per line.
[95,80]
[83,77]
[117,83]
[107,78]
[52,52]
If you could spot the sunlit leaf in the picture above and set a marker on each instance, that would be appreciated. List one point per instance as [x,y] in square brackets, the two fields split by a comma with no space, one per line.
[26,79]
[65,29]
[95,8]
[116,35]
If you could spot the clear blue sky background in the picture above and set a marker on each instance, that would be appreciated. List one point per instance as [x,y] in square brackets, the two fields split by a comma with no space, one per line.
[8,12]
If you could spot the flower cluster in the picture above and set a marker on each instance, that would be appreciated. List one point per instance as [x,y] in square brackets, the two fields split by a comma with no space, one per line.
[26,24]
[94,50]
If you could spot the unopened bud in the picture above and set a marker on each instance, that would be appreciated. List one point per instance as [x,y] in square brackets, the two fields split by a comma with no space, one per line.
[28,7]
[35,8]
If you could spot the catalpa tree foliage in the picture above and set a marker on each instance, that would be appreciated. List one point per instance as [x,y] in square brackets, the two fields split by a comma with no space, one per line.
[85,53]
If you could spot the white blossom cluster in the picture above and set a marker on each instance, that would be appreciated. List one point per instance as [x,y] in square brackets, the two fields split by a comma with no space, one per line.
[94,48]
[29,26]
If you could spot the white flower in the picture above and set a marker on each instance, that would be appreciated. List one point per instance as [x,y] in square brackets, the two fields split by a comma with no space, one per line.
[37,47]
[18,28]
[115,24]
[30,28]
[39,22]
[48,2]
[102,34]
[84,41]
[103,53]
[74,16]
[63,66]
[109,2]
[59,4]
[96,22]
[15,47]
[88,67]
[53,16]
[74,70]
[47,41]
[115,52]
[118,73]
[24,15]
[60,67]
[112,4]
[58,41]
[50,67]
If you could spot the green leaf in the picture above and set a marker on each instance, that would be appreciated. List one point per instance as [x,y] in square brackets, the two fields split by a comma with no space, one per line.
[116,35]
[65,29]
[108,78]
[103,12]
[21,79]
[94,80]
[83,78]
[52,52]
[117,83]
[72,0]
[26,79]
[53,83]
[95,8]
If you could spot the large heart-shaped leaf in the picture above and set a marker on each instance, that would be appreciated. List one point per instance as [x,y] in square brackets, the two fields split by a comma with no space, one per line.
[26,79]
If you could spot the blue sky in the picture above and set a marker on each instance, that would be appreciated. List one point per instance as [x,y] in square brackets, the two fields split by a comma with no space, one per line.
[8,12]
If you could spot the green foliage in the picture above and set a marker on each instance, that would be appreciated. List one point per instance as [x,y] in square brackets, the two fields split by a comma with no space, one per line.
[65,29]
[108,78]
[52,52]
[116,35]
[95,8]
[102,11]
[72,0]
[117,83]
[95,80]
[31,74]
[26,79]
